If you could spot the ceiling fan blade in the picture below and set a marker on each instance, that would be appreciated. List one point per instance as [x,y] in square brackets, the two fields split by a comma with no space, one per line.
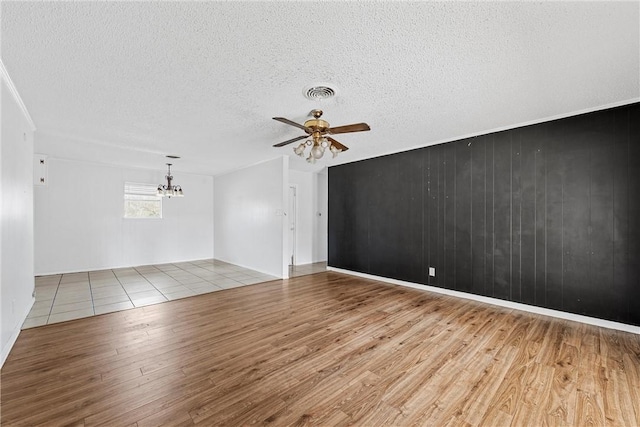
[292,123]
[357,127]
[338,145]
[282,144]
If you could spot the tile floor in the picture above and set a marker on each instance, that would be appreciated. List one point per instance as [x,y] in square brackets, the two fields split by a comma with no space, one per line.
[62,297]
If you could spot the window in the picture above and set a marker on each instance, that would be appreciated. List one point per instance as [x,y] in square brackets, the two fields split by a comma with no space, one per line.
[141,201]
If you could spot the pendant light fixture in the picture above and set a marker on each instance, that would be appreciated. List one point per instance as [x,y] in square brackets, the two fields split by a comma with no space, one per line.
[169,190]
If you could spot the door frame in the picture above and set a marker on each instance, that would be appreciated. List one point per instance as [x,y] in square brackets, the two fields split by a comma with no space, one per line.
[293,217]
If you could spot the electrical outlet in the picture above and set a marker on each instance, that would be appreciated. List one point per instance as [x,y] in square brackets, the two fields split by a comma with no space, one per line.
[432,271]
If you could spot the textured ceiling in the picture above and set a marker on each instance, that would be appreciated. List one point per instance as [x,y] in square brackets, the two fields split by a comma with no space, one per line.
[128,82]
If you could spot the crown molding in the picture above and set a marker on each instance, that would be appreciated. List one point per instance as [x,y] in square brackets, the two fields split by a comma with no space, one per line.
[12,88]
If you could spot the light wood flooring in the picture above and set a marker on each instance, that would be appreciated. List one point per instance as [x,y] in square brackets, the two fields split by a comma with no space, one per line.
[324,349]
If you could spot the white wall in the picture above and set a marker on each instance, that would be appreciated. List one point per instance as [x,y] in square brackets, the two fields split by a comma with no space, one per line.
[80,224]
[16,209]
[311,219]
[248,217]
[321,210]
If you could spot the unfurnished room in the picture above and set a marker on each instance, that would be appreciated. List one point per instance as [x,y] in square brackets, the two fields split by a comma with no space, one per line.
[331,213]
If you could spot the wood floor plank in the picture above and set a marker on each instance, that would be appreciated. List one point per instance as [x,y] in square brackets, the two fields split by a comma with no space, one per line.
[323,349]
[589,409]
[626,382]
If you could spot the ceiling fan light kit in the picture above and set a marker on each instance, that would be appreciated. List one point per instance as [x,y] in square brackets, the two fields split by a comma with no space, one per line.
[317,131]
[334,150]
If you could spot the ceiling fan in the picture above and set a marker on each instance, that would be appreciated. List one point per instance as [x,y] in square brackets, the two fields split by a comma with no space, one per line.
[317,130]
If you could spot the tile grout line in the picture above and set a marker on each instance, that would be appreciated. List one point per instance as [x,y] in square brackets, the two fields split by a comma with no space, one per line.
[148,281]
[103,287]
[200,277]
[93,307]
[53,301]
[123,288]
[172,278]
[193,274]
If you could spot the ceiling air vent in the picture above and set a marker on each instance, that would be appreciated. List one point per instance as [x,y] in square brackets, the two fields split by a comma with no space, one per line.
[319,92]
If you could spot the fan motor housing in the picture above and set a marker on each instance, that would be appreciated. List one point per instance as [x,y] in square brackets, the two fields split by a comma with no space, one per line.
[317,124]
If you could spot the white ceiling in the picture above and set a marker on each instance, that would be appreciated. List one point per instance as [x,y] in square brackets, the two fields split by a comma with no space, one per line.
[129,82]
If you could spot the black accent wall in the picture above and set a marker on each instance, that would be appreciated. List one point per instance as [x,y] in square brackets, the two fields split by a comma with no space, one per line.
[546,215]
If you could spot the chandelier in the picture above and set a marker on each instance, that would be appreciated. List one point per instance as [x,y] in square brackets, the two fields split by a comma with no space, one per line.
[169,190]
[318,144]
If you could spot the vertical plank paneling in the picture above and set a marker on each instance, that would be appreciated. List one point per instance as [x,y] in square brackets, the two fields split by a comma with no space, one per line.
[620,227]
[489,214]
[546,214]
[395,216]
[541,216]
[408,259]
[553,216]
[427,204]
[339,218]
[527,259]
[633,283]
[502,216]
[516,217]
[478,216]
[463,205]
[601,142]
[449,216]
[576,217]
[385,202]
[360,201]
[440,162]
[432,204]
[348,233]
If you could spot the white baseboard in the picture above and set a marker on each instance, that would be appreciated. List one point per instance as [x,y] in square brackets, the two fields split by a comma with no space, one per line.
[502,303]
[14,335]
